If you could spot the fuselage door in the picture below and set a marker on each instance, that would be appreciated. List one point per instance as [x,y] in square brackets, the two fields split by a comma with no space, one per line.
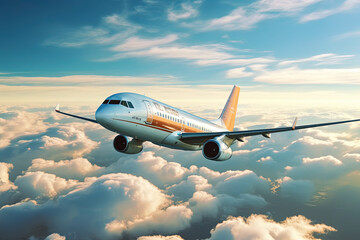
[182,124]
[150,114]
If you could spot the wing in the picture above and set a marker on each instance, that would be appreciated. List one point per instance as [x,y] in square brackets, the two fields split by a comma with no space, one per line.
[201,138]
[57,109]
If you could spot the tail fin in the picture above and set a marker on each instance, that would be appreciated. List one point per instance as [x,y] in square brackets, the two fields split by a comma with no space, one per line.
[228,114]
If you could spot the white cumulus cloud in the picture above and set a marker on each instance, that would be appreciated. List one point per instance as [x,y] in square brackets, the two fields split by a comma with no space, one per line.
[74,169]
[260,227]
[38,185]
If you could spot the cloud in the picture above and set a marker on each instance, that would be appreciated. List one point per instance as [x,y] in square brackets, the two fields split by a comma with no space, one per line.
[319,168]
[84,80]
[85,210]
[186,188]
[204,206]
[264,159]
[308,140]
[244,18]
[55,236]
[19,124]
[203,55]
[159,237]
[238,19]
[355,156]
[75,140]
[347,5]
[180,52]
[238,73]
[112,29]
[296,190]
[283,5]
[186,11]
[135,43]
[326,58]
[74,169]
[235,61]
[295,75]
[5,183]
[353,34]
[168,221]
[40,185]
[260,227]
[326,159]
[73,195]
[240,180]
[154,168]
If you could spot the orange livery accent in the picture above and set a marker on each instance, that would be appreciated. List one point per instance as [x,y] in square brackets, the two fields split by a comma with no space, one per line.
[229,113]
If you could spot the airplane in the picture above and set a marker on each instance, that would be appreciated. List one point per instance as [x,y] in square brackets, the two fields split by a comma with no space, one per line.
[137,118]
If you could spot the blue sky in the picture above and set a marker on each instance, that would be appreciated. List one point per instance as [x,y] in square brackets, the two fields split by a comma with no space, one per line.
[196,42]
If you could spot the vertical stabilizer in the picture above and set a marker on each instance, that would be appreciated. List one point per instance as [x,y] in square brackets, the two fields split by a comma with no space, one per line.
[228,114]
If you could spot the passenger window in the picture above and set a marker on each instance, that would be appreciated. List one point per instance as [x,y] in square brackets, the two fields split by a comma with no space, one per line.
[124,103]
[106,101]
[130,105]
[114,102]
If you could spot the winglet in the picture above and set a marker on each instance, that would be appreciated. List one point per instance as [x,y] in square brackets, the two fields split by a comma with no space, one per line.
[294,124]
[57,108]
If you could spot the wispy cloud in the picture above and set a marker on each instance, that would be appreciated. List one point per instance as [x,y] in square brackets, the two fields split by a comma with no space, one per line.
[180,52]
[246,17]
[80,80]
[238,19]
[283,5]
[234,61]
[136,43]
[203,55]
[187,10]
[238,73]
[353,34]
[112,29]
[295,75]
[321,59]
[347,5]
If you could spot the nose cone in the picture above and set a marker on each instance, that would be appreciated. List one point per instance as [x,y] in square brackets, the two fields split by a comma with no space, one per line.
[104,115]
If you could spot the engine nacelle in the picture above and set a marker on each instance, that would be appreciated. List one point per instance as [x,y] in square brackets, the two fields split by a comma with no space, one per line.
[216,150]
[124,145]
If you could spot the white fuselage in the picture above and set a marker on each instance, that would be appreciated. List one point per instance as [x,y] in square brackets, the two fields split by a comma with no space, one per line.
[146,119]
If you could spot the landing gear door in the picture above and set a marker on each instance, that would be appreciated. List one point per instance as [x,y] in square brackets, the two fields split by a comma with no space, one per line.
[150,113]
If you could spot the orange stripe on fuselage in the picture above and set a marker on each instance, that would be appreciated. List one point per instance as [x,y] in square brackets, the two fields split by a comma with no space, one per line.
[146,125]
[164,124]
[171,125]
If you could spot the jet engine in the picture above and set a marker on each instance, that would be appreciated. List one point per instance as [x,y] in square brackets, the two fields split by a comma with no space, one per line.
[124,145]
[216,150]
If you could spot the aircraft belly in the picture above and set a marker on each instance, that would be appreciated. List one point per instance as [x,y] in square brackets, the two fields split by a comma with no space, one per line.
[139,130]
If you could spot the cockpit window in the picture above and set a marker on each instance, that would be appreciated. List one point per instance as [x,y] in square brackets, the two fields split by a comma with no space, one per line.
[106,101]
[114,102]
[124,103]
[130,105]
